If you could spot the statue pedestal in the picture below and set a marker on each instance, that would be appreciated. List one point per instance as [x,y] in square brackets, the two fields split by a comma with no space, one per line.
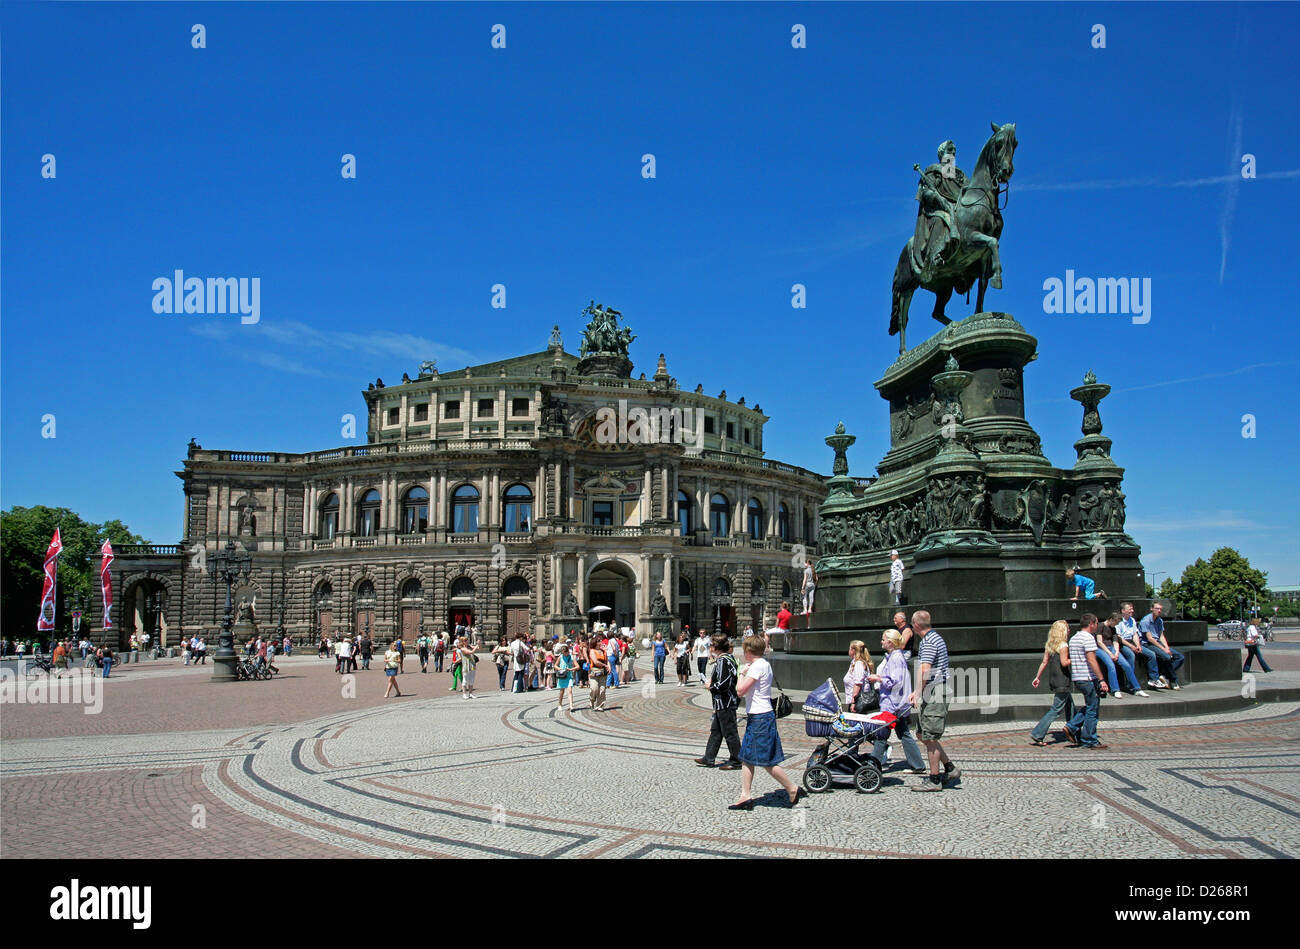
[984,522]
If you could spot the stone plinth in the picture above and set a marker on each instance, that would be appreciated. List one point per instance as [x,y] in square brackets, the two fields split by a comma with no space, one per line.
[984,522]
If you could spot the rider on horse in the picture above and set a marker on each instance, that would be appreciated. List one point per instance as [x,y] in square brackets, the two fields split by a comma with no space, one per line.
[938,192]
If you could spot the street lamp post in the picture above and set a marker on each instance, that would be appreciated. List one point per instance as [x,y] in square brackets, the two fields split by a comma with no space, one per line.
[228,565]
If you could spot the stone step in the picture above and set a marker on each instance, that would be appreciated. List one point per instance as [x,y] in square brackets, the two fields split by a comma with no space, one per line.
[1196,699]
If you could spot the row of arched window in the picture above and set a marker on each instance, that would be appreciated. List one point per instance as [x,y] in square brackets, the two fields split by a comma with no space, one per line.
[720,518]
[413,589]
[516,512]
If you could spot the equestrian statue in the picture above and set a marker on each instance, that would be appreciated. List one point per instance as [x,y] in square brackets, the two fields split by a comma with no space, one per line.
[955,244]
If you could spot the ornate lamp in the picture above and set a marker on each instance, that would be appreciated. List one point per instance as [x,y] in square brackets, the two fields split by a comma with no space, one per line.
[228,565]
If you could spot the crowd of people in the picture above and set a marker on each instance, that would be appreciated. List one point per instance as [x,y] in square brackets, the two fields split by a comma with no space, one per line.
[1091,660]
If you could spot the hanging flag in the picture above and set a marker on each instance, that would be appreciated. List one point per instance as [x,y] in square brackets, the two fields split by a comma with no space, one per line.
[106,583]
[50,591]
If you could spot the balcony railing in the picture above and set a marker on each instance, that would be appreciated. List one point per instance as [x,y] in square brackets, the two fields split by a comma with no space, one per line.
[462,538]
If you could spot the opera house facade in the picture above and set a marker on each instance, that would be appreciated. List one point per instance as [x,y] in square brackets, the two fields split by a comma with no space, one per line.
[533,493]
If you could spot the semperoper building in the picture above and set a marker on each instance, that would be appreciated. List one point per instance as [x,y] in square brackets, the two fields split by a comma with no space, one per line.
[514,495]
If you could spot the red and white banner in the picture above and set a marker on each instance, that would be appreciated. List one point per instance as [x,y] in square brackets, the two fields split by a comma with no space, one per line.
[106,583]
[50,590]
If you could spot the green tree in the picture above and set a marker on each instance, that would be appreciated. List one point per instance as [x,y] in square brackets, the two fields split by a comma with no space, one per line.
[25,534]
[1213,589]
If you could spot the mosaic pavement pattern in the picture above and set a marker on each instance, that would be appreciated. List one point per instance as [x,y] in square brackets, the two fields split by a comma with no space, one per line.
[511,776]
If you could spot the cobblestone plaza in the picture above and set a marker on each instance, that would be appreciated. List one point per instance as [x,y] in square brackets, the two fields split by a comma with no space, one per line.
[293,768]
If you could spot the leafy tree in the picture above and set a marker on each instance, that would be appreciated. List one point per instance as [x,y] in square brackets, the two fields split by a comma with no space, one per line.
[1211,589]
[25,534]
[1150,592]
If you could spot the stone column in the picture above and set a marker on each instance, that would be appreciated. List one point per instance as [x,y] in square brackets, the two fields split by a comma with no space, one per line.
[582,584]
[666,588]
[345,509]
[557,578]
[643,589]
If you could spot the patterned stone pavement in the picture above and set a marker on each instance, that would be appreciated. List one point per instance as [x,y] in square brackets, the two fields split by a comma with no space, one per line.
[502,775]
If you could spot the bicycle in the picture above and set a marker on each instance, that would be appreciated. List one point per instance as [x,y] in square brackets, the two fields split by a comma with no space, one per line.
[38,664]
[1232,630]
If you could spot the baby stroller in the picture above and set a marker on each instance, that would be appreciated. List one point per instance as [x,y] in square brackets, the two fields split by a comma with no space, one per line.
[840,757]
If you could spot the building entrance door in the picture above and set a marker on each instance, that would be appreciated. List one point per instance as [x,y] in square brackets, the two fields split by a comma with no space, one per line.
[326,621]
[365,623]
[516,621]
[459,616]
[724,620]
[410,624]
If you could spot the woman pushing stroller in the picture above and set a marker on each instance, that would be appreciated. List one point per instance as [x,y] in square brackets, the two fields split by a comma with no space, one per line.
[894,682]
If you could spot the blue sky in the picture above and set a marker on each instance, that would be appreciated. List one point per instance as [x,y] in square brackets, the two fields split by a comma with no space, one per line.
[522,166]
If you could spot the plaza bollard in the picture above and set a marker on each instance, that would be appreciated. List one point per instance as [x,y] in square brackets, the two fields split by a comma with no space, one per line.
[135,656]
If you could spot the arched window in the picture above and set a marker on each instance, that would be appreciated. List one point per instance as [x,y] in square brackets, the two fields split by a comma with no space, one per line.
[719,510]
[757,591]
[515,586]
[783,523]
[683,588]
[721,587]
[785,589]
[366,590]
[463,587]
[329,517]
[807,527]
[324,594]
[464,510]
[415,511]
[755,511]
[368,514]
[517,518]
[412,589]
[684,512]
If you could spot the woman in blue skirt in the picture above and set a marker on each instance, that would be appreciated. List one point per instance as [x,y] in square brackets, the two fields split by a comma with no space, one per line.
[761,746]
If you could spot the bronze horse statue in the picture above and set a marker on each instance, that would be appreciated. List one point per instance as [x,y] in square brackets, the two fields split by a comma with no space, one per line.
[973,255]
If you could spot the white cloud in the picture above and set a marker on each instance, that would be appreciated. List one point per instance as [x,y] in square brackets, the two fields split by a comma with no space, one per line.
[1219,520]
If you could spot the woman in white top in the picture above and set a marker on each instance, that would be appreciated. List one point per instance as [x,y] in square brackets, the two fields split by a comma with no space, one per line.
[860,666]
[682,653]
[702,655]
[761,746]
[468,662]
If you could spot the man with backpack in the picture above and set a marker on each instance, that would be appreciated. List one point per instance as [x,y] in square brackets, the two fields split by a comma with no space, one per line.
[439,650]
[520,657]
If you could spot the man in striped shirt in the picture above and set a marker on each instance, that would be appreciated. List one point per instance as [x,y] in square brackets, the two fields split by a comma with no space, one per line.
[931,688]
[723,686]
[1086,673]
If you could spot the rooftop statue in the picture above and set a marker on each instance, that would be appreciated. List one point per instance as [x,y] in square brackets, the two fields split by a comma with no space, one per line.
[603,334]
[955,243]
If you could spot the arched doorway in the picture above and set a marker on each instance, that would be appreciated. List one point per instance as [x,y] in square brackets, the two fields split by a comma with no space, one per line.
[514,607]
[460,612]
[412,609]
[365,615]
[724,613]
[612,584]
[323,607]
[144,610]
